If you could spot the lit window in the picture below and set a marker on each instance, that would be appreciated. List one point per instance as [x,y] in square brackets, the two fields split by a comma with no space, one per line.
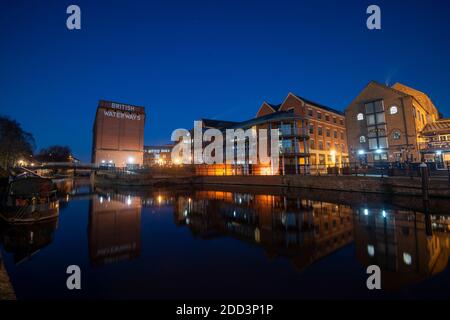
[393,110]
[362,139]
[360,117]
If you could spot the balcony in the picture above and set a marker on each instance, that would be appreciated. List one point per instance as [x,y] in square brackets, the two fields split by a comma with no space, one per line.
[434,145]
[293,132]
[292,151]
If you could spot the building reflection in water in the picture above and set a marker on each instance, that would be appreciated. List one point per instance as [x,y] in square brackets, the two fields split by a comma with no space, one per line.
[305,231]
[114,228]
[24,240]
[397,241]
[301,230]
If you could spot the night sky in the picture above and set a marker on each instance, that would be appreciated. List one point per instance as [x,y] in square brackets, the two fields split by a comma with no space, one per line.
[185,60]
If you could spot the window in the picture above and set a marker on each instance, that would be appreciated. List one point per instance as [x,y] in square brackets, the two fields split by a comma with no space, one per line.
[393,110]
[335,134]
[375,106]
[311,144]
[328,145]
[376,125]
[360,117]
[370,119]
[311,129]
[319,115]
[380,118]
[362,139]
[320,145]
[327,117]
[334,120]
[328,132]
[382,142]
[341,121]
[310,112]
[319,131]
[396,135]
[287,145]
[373,143]
[342,135]
[380,156]
[321,159]
[285,129]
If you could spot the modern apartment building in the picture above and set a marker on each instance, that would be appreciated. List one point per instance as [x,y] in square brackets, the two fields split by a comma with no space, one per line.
[293,153]
[312,138]
[326,133]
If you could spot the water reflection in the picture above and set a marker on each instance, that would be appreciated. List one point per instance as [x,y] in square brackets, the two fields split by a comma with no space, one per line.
[398,242]
[114,228]
[300,229]
[288,225]
[27,239]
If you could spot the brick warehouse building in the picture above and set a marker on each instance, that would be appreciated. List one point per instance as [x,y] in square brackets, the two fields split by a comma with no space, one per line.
[118,135]
[384,124]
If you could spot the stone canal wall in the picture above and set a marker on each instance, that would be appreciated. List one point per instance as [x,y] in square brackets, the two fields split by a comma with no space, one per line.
[389,185]
[365,184]
[6,289]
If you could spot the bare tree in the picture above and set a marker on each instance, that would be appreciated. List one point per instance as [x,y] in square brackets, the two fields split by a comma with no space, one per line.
[55,154]
[15,143]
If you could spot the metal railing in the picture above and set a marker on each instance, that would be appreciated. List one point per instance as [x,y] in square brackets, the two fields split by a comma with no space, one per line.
[376,169]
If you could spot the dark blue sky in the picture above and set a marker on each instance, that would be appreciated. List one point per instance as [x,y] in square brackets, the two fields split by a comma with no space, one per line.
[188,59]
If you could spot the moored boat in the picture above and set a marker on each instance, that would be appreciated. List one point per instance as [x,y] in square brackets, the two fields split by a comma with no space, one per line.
[28,199]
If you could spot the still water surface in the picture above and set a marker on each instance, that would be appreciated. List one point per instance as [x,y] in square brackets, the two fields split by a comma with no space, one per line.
[235,243]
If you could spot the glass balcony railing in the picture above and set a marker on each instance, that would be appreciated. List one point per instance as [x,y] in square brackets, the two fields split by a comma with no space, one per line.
[293,132]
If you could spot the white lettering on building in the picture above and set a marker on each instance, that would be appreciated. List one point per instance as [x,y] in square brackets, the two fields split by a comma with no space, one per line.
[121,115]
[123,107]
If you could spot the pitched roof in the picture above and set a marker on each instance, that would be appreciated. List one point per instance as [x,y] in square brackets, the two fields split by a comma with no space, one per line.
[318,105]
[421,97]
[218,124]
[278,115]
[440,126]
[276,107]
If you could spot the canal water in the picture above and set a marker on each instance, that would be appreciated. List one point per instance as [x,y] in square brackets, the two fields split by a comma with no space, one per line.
[219,243]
